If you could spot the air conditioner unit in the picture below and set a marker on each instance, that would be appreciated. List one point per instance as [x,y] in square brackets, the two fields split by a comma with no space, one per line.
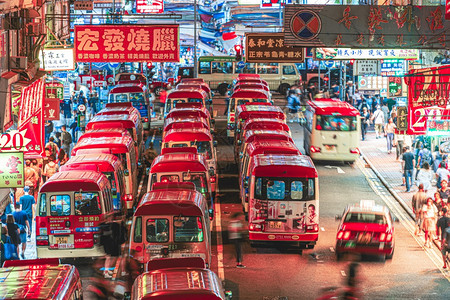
[36,29]
[18,62]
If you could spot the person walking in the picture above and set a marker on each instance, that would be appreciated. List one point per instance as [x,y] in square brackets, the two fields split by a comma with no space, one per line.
[389,131]
[445,245]
[441,224]
[425,155]
[408,167]
[31,176]
[66,140]
[21,219]
[365,120]
[62,158]
[51,168]
[442,174]
[235,228]
[162,101]
[378,119]
[429,217]
[293,103]
[52,146]
[13,232]
[385,111]
[27,203]
[425,176]
[444,191]
[418,201]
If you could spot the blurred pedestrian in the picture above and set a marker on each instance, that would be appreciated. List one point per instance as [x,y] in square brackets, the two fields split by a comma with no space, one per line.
[437,158]
[385,111]
[52,145]
[425,156]
[162,101]
[408,167]
[349,92]
[389,131]
[352,289]
[48,128]
[378,119]
[445,245]
[22,221]
[51,168]
[444,191]
[28,203]
[66,140]
[293,103]
[365,121]
[113,235]
[62,158]
[438,202]
[429,216]
[441,223]
[425,176]
[150,154]
[442,174]
[4,235]
[418,201]
[235,229]
[13,232]
[31,176]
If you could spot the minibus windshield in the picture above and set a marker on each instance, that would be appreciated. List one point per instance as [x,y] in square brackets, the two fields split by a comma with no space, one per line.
[335,123]
[203,147]
[187,229]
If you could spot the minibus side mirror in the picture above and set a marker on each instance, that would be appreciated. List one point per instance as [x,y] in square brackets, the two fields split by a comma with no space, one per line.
[211,213]
[127,296]
[147,170]
[337,217]
[215,143]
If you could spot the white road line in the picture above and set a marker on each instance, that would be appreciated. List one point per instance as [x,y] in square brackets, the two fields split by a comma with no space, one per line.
[218,224]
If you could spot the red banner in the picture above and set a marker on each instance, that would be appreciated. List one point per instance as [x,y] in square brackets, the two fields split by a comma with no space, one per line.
[51,109]
[127,43]
[447,10]
[428,97]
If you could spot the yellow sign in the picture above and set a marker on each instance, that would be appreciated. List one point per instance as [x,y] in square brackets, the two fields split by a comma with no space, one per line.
[11,170]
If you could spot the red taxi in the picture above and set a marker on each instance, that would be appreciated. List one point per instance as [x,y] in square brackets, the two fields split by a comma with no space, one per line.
[365,228]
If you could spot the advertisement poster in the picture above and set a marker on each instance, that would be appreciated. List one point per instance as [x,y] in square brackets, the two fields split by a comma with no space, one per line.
[149,6]
[428,98]
[127,43]
[349,54]
[11,170]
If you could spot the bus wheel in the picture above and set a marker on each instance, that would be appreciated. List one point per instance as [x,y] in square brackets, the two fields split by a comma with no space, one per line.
[157,91]
[338,256]
[222,88]
[284,87]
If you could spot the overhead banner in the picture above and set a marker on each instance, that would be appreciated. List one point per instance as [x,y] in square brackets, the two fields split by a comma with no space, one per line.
[11,170]
[270,47]
[127,43]
[428,98]
[57,59]
[366,26]
[349,54]
[149,6]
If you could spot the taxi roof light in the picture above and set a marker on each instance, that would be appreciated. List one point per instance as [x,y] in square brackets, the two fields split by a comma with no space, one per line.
[367,203]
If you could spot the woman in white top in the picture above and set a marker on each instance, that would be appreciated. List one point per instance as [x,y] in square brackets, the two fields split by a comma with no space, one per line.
[429,217]
[425,176]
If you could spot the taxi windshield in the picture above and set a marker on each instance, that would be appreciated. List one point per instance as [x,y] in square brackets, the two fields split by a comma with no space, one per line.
[335,123]
[366,217]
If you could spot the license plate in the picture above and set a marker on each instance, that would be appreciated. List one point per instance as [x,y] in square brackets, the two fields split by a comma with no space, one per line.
[61,239]
[364,238]
[350,245]
[330,147]
[275,225]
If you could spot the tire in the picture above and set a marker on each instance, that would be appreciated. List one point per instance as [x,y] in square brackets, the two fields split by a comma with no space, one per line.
[158,90]
[222,88]
[284,87]
[389,256]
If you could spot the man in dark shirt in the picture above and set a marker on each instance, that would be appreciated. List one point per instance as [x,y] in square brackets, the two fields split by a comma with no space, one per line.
[22,220]
[27,202]
[445,245]
[442,223]
[408,167]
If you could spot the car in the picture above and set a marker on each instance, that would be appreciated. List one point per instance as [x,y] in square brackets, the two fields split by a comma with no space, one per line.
[365,228]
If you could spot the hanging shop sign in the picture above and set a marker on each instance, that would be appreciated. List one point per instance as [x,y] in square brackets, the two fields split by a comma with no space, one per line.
[366,26]
[367,67]
[372,83]
[57,59]
[428,97]
[438,126]
[83,5]
[270,47]
[149,6]
[392,67]
[402,118]
[11,170]
[51,108]
[273,3]
[54,90]
[349,54]
[127,43]
[395,86]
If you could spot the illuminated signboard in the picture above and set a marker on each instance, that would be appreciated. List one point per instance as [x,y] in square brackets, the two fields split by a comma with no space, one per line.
[149,6]
[273,3]
[392,68]
[270,47]
[11,170]
[348,54]
[57,59]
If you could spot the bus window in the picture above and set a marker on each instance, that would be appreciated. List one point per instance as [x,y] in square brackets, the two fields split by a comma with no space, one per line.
[311,188]
[195,100]
[203,148]
[297,190]
[222,67]
[249,68]
[198,180]
[43,206]
[60,205]
[335,123]
[170,178]
[157,230]
[269,68]
[275,189]
[288,70]
[187,229]
[121,98]
[178,145]
[138,230]
[365,218]
[205,67]
[87,203]
[258,188]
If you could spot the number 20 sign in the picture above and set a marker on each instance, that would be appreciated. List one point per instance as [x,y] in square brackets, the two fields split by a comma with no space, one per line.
[13,140]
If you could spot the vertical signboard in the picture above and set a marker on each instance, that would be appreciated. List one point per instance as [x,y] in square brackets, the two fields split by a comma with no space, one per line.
[395,86]
[11,170]
[51,109]
[402,118]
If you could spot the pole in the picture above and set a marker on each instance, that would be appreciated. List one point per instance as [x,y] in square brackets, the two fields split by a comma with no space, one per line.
[113,17]
[318,87]
[195,40]
[280,15]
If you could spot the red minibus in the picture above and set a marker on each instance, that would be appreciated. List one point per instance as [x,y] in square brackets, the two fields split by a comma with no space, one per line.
[106,132]
[260,135]
[243,85]
[191,112]
[174,222]
[197,85]
[283,205]
[202,140]
[332,130]
[192,80]
[123,148]
[265,147]
[185,123]
[70,207]
[182,167]
[39,279]
[132,123]
[186,96]
[107,164]
[125,108]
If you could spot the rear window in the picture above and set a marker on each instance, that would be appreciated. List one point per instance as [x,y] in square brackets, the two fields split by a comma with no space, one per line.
[188,229]
[335,123]
[198,179]
[296,189]
[59,205]
[43,206]
[87,203]
[157,230]
[358,217]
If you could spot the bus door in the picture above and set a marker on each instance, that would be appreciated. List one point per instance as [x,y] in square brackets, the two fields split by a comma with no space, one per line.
[69,210]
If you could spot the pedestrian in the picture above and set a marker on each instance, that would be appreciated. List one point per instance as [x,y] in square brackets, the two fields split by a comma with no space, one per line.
[352,289]
[349,92]
[442,174]
[62,158]
[4,235]
[8,207]
[378,119]
[311,92]
[418,201]
[113,235]
[437,158]
[445,245]
[28,203]
[162,101]
[438,202]
[408,167]
[429,217]
[365,121]
[51,168]
[13,232]
[389,131]
[48,128]
[425,155]
[385,111]
[293,103]
[21,219]
[235,229]
[52,146]
[399,142]
[441,224]
[444,191]
[73,127]
[66,140]
[425,176]
[31,176]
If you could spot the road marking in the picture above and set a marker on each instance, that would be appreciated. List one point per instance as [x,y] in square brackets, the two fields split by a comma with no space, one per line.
[218,224]
[339,170]
[321,228]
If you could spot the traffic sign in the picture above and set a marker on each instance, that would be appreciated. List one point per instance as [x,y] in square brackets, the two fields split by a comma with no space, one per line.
[240,64]
[328,63]
[81,107]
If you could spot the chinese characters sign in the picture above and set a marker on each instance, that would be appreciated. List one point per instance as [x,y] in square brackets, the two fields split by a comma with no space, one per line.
[51,109]
[366,26]
[127,43]
[58,59]
[428,97]
[270,47]
[367,67]
[392,68]
[11,170]
[54,90]
[372,83]
[149,6]
[395,86]
[348,54]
